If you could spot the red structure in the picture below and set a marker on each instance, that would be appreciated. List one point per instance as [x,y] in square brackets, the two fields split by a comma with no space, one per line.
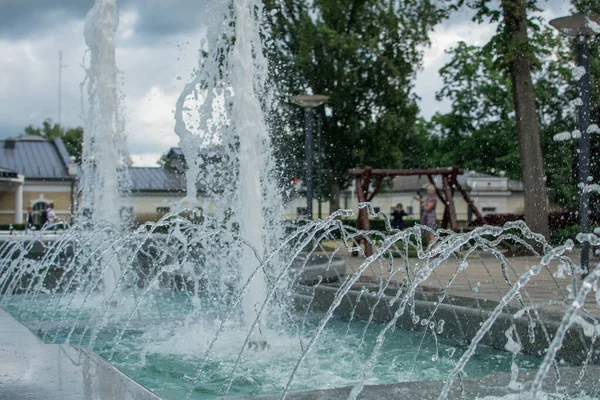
[364,176]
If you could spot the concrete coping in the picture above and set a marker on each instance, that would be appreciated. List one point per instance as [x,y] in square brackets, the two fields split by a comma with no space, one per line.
[31,369]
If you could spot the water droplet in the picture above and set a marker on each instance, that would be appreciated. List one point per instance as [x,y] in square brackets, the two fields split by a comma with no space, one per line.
[561,137]
[578,72]
[592,25]
[593,128]
[440,327]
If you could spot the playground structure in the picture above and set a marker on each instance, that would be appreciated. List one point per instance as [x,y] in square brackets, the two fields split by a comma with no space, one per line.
[364,176]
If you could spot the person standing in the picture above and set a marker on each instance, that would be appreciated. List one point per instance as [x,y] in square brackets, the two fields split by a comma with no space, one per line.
[29,225]
[429,218]
[397,215]
[50,215]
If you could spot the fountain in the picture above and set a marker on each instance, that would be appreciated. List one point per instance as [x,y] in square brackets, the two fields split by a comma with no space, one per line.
[212,299]
[104,168]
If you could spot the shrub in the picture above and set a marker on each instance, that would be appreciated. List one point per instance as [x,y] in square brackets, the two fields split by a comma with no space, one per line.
[560,236]
[556,219]
[497,219]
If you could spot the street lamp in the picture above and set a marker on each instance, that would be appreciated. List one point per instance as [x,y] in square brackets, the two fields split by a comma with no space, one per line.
[319,164]
[309,101]
[580,26]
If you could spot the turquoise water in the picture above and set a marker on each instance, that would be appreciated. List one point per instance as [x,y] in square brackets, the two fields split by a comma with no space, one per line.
[165,353]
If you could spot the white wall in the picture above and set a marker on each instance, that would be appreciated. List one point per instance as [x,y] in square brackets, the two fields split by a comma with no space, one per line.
[148,202]
[501,202]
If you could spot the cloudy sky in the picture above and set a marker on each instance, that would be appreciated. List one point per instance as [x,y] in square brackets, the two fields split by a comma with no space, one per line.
[157,48]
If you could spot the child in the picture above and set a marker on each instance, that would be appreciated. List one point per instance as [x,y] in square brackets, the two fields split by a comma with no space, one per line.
[397,215]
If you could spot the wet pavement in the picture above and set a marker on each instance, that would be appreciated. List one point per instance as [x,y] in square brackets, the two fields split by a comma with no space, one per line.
[483,278]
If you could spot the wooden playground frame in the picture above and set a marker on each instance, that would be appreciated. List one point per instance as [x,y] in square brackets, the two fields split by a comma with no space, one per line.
[363,177]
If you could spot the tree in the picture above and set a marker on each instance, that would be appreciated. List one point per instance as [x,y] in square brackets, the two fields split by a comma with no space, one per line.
[71,137]
[164,161]
[73,140]
[363,54]
[479,132]
[518,56]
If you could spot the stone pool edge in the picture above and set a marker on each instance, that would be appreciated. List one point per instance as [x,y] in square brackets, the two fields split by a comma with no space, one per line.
[32,369]
[497,384]
[462,318]
[462,321]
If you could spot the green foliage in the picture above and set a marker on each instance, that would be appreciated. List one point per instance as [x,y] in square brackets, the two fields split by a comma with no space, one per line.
[16,227]
[585,7]
[71,137]
[164,161]
[378,224]
[73,140]
[363,54]
[479,132]
[560,236]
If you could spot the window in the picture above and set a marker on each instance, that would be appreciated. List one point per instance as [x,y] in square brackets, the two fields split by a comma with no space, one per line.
[488,209]
[163,210]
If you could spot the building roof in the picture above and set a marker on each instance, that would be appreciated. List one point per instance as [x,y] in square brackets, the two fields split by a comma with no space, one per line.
[154,179]
[172,179]
[176,152]
[36,158]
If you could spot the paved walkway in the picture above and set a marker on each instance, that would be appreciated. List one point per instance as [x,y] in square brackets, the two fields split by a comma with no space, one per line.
[483,278]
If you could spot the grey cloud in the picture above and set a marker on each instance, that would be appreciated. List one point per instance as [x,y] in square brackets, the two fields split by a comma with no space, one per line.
[25,18]
[167,17]
[11,130]
[21,19]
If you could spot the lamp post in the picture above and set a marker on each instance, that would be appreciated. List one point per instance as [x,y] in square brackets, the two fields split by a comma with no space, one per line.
[579,26]
[319,164]
[309,102]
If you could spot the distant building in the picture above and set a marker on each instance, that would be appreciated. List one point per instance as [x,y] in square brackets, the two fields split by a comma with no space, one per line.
[35,172]
[491,194]
[154,191]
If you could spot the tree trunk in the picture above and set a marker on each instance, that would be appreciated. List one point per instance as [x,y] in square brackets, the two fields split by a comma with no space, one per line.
[530,152]
[334,199]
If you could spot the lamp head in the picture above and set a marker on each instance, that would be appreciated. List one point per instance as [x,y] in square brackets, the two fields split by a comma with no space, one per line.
[578,25]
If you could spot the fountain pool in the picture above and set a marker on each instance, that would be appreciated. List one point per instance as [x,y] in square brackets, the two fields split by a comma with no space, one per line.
[163,354]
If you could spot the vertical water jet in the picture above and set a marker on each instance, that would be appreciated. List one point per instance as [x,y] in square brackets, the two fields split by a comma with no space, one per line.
[104,156]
